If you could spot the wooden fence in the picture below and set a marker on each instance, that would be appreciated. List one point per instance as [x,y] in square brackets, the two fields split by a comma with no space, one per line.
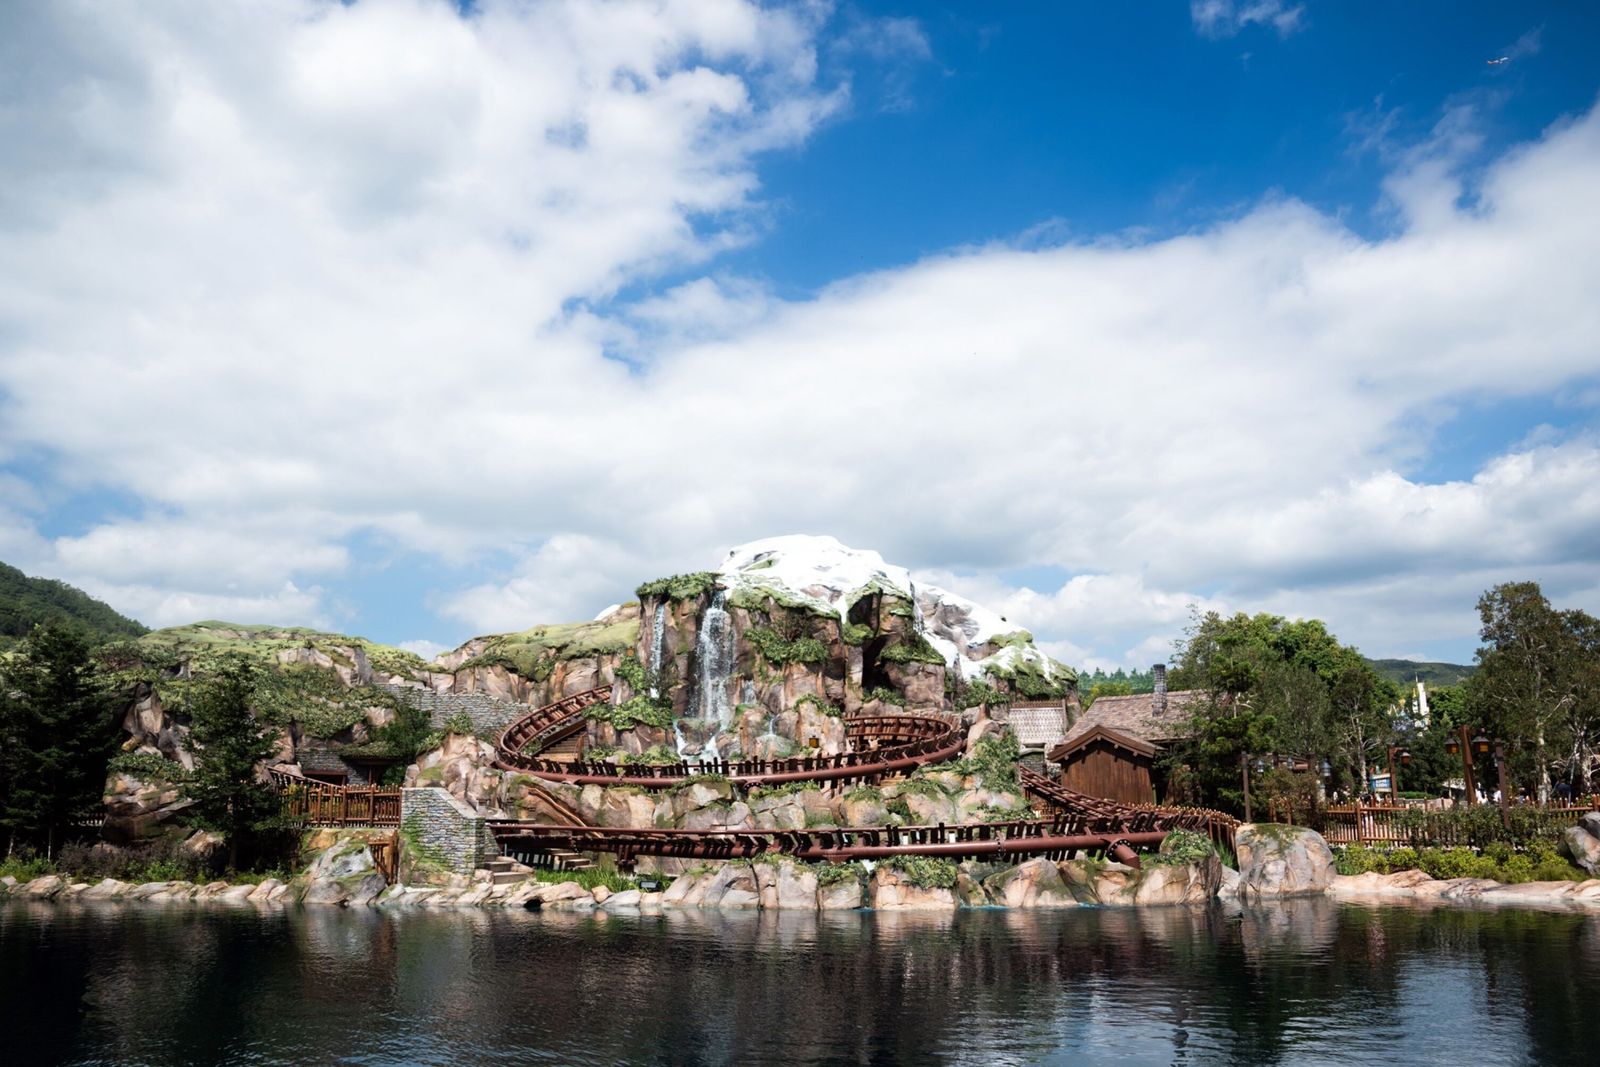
[1390,824]
[323,804]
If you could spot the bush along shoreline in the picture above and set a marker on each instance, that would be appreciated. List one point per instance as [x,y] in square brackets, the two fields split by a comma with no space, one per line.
[1273,861]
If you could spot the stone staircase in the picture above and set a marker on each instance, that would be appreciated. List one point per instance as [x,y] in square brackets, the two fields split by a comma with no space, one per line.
[567,750]
[503,870]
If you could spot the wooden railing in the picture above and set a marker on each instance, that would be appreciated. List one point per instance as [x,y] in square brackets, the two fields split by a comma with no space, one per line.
[325,804]
[1391,824]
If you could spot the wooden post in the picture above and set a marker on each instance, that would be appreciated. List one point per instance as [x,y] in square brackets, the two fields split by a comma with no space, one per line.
[1360,832]
[1466,768]
[1244,766]
[1505,792]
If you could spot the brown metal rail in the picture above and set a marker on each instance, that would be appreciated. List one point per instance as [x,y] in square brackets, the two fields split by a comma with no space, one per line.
[1058,798]
[1056,838]
[881,744]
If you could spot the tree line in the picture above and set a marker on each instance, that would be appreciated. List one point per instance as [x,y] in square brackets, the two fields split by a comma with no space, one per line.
[1270,686]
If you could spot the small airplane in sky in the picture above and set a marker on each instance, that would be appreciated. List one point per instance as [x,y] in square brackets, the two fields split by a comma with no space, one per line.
[1497,62]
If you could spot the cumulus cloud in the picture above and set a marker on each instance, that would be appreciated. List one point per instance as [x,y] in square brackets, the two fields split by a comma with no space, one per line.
[292,273]
[1225,18]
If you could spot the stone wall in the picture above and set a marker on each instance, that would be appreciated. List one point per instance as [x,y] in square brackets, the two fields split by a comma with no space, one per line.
[444,829]
[489,714]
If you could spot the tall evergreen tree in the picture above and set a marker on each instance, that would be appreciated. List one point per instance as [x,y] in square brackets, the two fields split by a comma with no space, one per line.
[57,732]
[229,744]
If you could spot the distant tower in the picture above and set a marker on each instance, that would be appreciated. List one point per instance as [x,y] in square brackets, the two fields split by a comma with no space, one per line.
[1422,702]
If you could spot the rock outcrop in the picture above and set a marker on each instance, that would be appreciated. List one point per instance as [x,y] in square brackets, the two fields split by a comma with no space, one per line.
[1581,843]
[1281,861]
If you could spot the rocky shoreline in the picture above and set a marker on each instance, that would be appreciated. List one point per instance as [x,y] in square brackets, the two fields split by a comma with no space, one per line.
[1274,863]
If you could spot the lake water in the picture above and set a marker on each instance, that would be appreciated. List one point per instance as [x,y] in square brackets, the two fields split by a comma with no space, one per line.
[1308,982]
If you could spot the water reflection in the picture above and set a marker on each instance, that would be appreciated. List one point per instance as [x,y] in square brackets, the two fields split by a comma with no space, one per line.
[1307,982]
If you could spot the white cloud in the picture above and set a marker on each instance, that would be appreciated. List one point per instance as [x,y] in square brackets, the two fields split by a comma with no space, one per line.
[428,650]
[290,272]
[1225,18]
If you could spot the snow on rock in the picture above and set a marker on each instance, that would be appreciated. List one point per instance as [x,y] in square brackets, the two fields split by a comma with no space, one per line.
[830,577]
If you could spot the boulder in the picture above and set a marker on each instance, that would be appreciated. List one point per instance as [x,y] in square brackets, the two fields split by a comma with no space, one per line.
[627,899]
[1281,861]
[797,887]
[105,889]
[44,888]
[1178,883]
[235,894]
[266,891]
[841,896]
[1034,884]
[366,890]
[889,891]
[1581,843]
[324,890]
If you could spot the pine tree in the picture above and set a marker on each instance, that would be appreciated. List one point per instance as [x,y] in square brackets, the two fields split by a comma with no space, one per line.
[57,732]
[229,743]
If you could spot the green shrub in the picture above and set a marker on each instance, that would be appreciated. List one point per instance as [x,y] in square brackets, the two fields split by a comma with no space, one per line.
[830,874]
[654,756]
[778,650]
[1011,814]
[914,648]
[146,766]
[1182,847]
[994,761]
[680,586]
[886,696]
[460,723]
[926,872]
[639,709]
[831,710]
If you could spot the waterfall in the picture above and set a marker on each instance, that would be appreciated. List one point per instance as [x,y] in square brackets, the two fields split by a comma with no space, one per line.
[916,609]
[658,639]
[714,648]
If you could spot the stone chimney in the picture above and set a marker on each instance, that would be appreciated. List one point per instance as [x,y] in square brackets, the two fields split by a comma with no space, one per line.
[1159,670]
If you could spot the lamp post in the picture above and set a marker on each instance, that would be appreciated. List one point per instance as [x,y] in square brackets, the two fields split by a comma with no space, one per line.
[1244,770]
[1394,779]
[1464,747]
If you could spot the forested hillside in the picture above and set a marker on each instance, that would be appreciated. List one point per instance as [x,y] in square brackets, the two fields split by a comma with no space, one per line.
[26,602]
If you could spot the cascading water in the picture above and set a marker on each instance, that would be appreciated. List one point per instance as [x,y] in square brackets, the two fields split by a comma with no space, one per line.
[714,654]
[658,640]
[714,649]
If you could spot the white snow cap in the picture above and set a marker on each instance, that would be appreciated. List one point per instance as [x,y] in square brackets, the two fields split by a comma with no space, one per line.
[833,576]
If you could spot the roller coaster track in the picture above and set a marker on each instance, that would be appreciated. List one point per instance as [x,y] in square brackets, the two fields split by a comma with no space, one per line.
[880,745]
[1056,838]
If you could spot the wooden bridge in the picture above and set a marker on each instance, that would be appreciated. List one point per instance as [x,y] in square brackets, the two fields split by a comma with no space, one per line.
[325,804]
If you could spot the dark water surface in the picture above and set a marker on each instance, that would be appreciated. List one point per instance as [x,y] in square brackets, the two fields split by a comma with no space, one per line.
[1309,982]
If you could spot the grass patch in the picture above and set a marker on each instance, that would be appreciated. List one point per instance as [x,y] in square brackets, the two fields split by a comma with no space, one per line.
[926,872]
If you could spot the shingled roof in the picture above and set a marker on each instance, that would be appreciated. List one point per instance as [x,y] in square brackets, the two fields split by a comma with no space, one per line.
[1140,717]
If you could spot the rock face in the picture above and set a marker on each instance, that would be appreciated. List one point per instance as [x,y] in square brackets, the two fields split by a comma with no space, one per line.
[1281,861]
[1581,843]
[807,619]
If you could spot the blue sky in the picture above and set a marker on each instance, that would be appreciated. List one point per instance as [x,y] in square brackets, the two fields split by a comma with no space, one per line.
[420,324]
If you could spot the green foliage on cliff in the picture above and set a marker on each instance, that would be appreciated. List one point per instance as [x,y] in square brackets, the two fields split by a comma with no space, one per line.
[534,653]
[146,766]
[640,709]
[994,761]
[885,696]
[832,874]
[654,756]
[680,586]
[1028,678]
[28,602]
[926,872]
[779,651]
[832,710]
[913,648]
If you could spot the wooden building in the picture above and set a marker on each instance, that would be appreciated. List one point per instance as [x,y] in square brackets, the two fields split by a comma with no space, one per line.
[1104,763]
[1111,751]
